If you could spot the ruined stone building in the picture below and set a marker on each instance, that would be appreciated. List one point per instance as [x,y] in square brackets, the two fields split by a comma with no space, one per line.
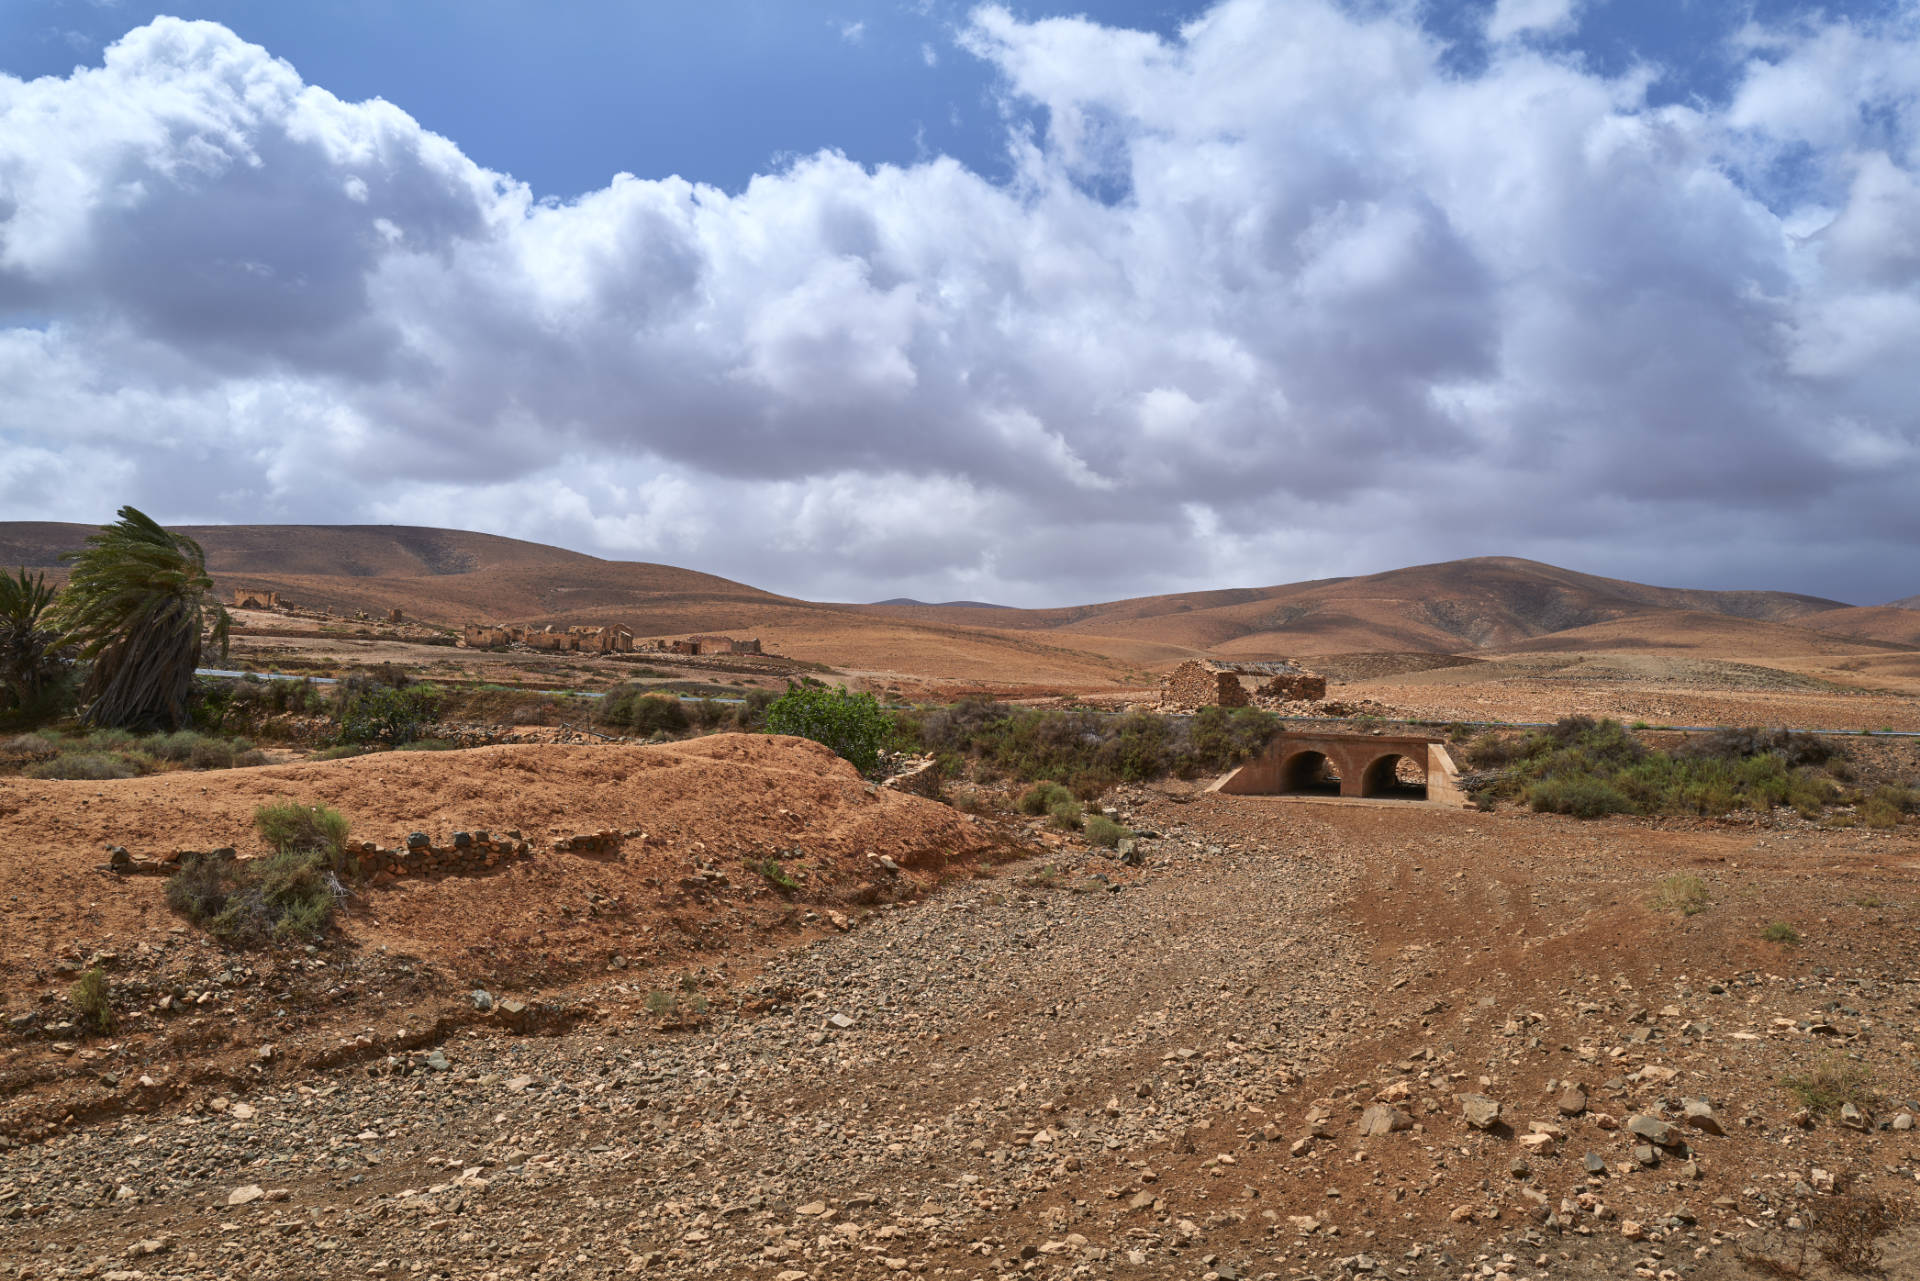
[245,598]
[1207,683]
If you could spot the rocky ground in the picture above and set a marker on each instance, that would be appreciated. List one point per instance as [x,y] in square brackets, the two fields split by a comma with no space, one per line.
[1297,1039]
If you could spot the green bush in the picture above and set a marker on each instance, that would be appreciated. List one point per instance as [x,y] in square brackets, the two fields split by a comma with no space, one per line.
[291,893]
[1580,797]
[386,714]
[1588,768]
[95,766]
[855,726]
[306,829]
[92,999]
[644,713]
[1101,830]
[1091,752]
[1782,933]
[1888,805]
[1065,814]
[1042,797]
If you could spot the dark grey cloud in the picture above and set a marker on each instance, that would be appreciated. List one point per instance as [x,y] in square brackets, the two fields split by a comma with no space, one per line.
[1285,297]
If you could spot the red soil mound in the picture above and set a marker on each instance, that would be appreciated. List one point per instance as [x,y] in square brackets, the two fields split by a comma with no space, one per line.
[725,801]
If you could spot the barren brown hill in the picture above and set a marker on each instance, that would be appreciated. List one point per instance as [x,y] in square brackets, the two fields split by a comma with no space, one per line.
[1453,606]
[1897,624]
[451,577]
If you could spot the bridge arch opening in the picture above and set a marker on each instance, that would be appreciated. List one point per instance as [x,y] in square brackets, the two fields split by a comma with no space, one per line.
[1309,773]
[1395,776]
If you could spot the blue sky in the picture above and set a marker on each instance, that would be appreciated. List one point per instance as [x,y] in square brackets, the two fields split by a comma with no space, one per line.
[563,96]
[1029,303]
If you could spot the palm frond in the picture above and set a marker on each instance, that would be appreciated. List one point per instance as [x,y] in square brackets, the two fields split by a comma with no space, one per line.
[138,605]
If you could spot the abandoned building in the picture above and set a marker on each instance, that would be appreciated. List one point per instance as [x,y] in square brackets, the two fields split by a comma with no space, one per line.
[1207,683]
[246,598]
[612,639]
[716,645]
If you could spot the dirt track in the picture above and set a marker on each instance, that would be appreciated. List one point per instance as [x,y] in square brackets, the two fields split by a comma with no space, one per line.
[1034,1073]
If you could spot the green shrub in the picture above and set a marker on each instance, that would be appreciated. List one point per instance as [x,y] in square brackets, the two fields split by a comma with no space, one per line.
[1782,933]
[97,766]
[643,713]
[287,826]
[1041,797]
[1580,797]
[855,726]
[1686,895]
[1888,805]
[291,893]
[1065,814]
[341,751]
[92,999]
[1101,830]
[386,714]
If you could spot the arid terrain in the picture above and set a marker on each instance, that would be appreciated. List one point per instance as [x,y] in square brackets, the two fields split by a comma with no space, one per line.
[723,1008]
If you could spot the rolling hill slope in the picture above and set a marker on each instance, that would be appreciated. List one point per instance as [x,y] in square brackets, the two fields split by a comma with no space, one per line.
[1488,604]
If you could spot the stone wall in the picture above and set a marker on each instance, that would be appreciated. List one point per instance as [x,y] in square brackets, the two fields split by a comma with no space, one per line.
[1197,684]
[1303,688]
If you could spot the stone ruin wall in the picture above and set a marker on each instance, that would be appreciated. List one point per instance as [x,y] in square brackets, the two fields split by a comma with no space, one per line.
[1194,684]
[1295,689]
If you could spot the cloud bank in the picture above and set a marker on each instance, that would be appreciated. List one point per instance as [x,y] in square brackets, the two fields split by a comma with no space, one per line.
[1282,297]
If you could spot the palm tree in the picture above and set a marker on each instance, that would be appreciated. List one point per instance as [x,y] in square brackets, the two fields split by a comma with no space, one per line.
[137,604]
[33,661]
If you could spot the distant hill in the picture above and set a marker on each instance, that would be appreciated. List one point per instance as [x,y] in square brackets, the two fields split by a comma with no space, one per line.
[1909,602]
[1455,606]
[951,604]
[1483,605]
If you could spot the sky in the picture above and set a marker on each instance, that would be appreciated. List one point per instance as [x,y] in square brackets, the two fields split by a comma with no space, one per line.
[1038,304]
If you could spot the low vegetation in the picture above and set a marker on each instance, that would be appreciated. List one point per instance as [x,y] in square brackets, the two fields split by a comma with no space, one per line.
[1589,768]
[112,753]
[1084,751]
[289,893]
[854,725]
[1782,933]
[1831,1084]
[1686,895]
[92,999]
[1101,830]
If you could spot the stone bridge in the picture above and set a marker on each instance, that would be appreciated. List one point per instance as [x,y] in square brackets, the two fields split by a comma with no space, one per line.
[1354,765]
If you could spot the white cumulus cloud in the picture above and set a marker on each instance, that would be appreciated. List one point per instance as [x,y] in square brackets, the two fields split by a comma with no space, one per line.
[1280,296]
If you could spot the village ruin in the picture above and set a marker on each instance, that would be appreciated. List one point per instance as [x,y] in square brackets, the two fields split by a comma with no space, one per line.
[611,639]
[1209,683]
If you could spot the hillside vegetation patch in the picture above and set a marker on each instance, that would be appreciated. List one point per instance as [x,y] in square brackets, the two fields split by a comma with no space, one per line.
[1589,768]
[291,893]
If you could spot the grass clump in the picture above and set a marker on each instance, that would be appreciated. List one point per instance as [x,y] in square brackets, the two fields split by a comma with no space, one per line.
[96,766]
[775,875]
[1886,806]
[1101,830]
[1782,933]
[92,999]
[291,893]
[1686,895]
[1831,1084]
